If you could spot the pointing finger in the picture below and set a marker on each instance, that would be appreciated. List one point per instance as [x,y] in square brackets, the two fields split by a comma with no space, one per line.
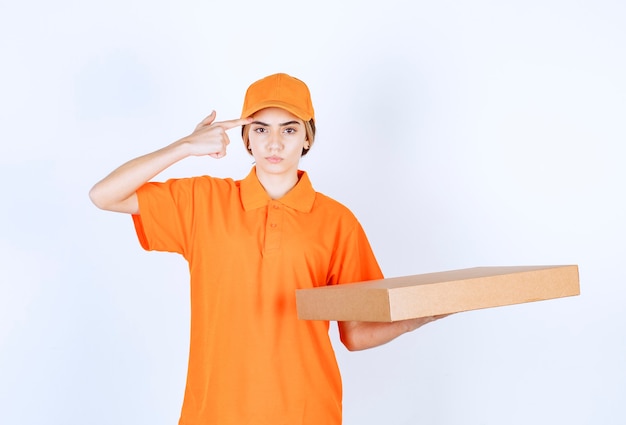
[227,125]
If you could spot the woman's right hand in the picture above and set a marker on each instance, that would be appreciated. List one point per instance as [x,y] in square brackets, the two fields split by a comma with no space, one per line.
[210,138]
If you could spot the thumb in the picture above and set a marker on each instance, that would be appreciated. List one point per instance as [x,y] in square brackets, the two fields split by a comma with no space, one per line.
[208,120]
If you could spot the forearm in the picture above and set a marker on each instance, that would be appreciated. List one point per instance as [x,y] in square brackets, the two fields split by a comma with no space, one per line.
[363,335]
[116,192]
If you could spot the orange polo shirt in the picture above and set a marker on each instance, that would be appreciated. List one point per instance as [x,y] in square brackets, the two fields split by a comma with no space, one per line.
[251,361]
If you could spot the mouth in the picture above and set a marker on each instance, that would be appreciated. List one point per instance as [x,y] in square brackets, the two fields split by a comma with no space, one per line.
[273,159]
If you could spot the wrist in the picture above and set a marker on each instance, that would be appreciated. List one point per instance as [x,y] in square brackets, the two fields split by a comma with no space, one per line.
[182,148]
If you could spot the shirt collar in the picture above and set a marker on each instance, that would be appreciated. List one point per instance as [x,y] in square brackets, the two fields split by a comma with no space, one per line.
[300,197]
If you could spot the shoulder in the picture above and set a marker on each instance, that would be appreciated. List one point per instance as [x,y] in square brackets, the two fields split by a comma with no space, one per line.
[327,205]
[194,183]
[328,202]
[188,189]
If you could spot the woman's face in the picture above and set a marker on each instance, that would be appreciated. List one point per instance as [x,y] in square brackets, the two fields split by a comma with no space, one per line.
[277,138]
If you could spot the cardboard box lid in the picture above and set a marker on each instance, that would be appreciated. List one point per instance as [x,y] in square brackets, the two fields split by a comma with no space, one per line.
[398,298]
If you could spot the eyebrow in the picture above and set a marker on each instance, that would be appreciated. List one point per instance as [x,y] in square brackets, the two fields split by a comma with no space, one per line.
[281,124]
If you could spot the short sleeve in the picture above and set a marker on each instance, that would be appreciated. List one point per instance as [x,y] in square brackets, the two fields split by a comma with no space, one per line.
[354,260]
[165,215]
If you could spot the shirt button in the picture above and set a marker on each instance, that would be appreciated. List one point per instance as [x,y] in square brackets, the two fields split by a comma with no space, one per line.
[273,225]
[275,206]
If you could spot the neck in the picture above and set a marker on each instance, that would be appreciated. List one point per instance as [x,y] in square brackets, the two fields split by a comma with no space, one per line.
[277,185]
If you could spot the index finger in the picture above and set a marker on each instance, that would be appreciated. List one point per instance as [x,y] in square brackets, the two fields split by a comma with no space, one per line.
[228,124]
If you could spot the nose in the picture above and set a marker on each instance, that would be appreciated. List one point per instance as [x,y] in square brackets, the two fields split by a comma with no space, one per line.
[275,141]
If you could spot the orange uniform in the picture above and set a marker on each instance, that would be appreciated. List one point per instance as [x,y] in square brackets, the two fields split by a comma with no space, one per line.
[251,361]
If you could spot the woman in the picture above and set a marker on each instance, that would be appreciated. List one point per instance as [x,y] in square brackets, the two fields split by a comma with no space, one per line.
[250,244]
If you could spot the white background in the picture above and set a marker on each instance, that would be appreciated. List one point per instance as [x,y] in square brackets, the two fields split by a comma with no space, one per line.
[460,133]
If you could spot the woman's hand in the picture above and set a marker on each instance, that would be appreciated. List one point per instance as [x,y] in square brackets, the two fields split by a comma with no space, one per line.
[210,138]
[363,335]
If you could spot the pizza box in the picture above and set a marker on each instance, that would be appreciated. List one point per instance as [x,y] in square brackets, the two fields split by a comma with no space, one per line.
[431,294]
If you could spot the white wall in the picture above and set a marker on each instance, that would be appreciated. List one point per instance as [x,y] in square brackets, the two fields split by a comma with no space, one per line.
[461,134]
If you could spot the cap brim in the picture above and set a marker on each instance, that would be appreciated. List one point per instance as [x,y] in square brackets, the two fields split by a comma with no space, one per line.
[251,110]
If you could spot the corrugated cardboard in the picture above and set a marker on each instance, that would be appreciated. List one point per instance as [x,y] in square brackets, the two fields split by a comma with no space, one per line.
[398,298]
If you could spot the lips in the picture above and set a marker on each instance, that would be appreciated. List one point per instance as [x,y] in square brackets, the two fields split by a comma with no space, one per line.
[273,159]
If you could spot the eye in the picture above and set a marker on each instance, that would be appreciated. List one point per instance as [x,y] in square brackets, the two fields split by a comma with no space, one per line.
[290,130]
[260,130]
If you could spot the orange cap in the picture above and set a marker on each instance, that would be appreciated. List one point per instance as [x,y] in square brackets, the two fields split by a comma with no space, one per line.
[281,91]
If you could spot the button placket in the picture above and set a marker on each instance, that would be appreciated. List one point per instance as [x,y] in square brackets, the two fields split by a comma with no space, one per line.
[273,228]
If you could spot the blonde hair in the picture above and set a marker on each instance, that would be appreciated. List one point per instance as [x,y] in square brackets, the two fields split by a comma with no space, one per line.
[309,128]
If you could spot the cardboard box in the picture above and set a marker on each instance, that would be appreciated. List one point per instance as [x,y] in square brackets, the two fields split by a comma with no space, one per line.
[398,298]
